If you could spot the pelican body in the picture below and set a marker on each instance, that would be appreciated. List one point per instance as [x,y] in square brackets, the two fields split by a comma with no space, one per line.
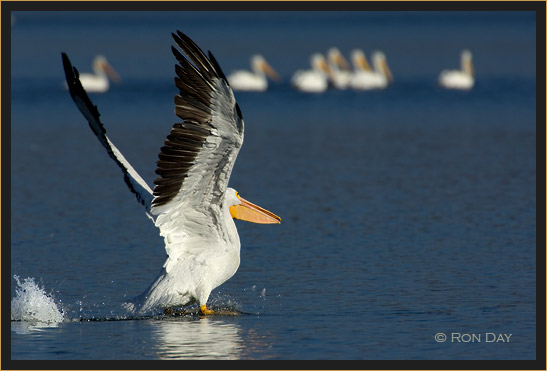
[255,80]
[191,203]
[314,80]
[463,79]
[98,81]
[364,78]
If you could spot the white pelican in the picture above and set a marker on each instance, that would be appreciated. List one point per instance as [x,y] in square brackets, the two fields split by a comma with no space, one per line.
[340,69]
[255,80]
[364,78]
[98,82]
[191,203]
[314,80]
[459,79]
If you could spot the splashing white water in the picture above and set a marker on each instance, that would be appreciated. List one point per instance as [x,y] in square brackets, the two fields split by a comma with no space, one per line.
[32,304]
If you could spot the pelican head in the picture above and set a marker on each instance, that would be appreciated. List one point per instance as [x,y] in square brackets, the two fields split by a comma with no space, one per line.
[101,67]
[337,59]
[319,63]
[360,60]
[380,65]
[259,65]
[244,210]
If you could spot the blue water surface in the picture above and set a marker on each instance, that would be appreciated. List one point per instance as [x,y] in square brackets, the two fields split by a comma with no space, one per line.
[406,213]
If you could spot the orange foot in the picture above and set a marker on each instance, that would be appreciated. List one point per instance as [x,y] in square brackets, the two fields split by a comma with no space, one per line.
[203,310]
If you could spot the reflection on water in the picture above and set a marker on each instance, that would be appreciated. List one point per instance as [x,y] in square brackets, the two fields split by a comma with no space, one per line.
[23,328]
[205,338]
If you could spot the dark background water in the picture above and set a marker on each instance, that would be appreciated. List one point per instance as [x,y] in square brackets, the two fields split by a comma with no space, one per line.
[406,212]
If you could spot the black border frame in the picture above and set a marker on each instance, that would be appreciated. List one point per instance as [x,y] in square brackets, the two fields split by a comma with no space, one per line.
[8,6]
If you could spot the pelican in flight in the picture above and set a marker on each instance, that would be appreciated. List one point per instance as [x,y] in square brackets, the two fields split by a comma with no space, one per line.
[191,203]
[315,80]
[255,80]
[364,78]
[98,81]
[459,79]
[340,69]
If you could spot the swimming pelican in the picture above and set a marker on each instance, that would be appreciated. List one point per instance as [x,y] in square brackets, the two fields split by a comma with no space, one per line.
[340,69]
[98,82]
[459,79]
[314,80]
[191,203]
[364,78]
[255,80]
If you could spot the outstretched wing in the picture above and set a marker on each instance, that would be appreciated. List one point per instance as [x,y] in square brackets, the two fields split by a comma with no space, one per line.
[133,180]
[197,158]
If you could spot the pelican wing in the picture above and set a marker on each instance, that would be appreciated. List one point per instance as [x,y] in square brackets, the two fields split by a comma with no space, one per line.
[133,180]
[198,155]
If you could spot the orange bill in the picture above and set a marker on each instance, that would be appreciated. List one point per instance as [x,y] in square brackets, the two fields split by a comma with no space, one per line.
[268,70]
[342,62]
[387,71]
[363,63]
[252,213]
[111,72]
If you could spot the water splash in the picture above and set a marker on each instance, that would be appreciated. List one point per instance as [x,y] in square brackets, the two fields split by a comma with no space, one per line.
[32,304]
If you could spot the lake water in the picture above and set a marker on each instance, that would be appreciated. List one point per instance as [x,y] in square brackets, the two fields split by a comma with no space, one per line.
[407,213]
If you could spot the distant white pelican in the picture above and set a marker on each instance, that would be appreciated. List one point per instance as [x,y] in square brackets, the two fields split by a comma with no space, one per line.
[98,82]
[191,203]
[364,78]
[459,79]
[340,69]
[314,80]
[254,80]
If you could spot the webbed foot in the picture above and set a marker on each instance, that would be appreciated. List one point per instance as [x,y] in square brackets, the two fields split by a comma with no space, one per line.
[205,311]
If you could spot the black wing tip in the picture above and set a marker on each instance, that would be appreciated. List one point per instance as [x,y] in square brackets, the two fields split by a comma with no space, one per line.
[67,66]
[182,37]
[66,60]
[189,46]
[77,92]
[217,67]
[71,73]
[184,42]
